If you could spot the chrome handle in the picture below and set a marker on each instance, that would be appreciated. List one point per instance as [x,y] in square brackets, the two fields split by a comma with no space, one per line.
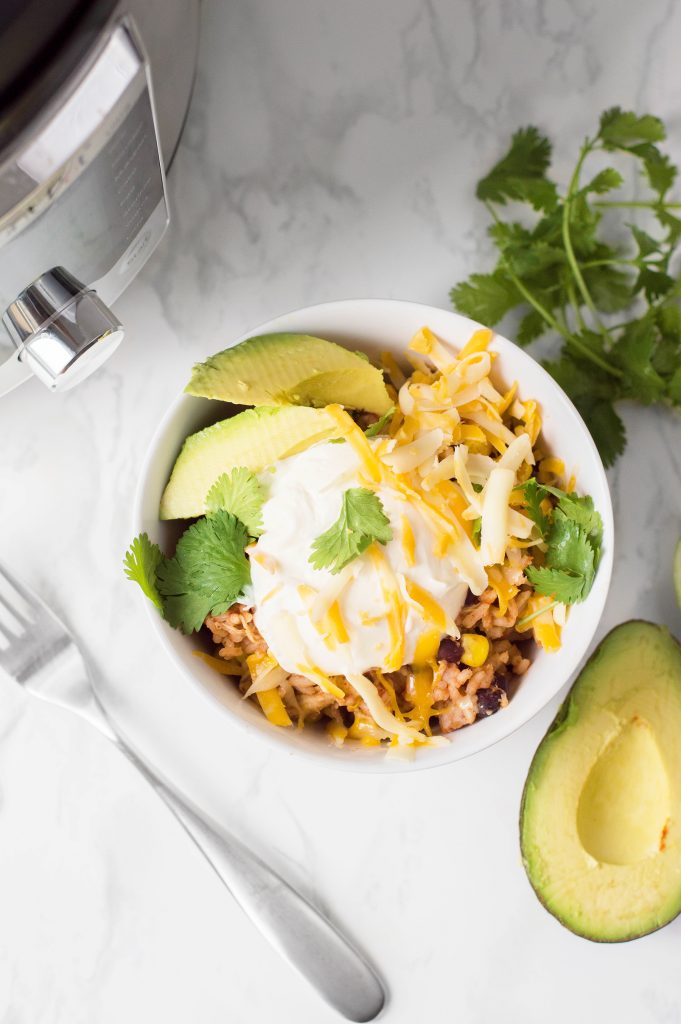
[296,929]
[62,330]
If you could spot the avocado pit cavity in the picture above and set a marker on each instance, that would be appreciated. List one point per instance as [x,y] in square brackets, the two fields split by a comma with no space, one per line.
[624,805]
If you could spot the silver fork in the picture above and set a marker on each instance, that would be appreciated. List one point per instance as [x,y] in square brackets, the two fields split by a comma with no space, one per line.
[38,652]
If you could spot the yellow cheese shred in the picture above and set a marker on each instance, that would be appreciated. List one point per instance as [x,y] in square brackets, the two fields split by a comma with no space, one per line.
[427,644]
[231,667]
[397,611]
[316,675]
[380,713]
[432,611]
[423,697]
[273,707]
[408,541]
[477,342]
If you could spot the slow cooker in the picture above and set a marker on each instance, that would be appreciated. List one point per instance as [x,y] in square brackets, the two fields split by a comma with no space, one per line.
[93,96]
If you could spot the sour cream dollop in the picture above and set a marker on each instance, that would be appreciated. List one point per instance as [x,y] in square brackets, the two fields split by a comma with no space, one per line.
[304,499]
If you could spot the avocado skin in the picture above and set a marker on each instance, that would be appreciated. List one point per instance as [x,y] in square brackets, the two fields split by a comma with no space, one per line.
[562,721]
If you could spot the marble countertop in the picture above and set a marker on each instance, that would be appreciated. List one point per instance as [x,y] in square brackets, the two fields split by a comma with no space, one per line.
[331,151]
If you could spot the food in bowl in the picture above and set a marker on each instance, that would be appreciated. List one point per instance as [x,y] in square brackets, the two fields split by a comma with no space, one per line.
[375,550]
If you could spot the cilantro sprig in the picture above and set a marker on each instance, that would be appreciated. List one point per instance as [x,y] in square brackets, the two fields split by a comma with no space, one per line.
[362,521]
[241,493]
[572,532]
[207,573]
[141,563]
[613,305]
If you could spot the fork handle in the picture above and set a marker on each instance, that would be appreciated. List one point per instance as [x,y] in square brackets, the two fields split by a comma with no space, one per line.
[298,931]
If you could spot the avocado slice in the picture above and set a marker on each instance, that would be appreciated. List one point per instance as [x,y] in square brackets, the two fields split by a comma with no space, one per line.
[291,369]
[600,822]
[253,439]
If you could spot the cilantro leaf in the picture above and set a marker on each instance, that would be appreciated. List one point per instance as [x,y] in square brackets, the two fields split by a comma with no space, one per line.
[561,586]
[531,327]
[476,531]
[646,244]
[207,573]
[606,428]
[580,509]
[561,271]
[658,168]
[593,395]
[605,181]
[141,563]
[611,290]
[569,548]
[636,349]
[361,522]
[533,495]
[486,297]
[654,283]
[521,173]
[241,493]
[675,387]
[622,128]
[570,562]
[375,428]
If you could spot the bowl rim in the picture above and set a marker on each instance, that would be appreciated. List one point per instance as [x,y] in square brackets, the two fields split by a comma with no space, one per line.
[275,739]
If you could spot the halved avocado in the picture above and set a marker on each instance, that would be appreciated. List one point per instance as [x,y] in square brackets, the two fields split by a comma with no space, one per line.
[291,369]
[253,439]
[600,822]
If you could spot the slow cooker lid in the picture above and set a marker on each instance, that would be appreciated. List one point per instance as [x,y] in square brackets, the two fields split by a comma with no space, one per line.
[41,45]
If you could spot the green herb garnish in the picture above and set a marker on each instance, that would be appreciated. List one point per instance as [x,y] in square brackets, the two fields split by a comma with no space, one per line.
[379,425]
[141,562]
[569,279]
[241,493]
[573,535]
[533,499]
[207,573]
[361,522]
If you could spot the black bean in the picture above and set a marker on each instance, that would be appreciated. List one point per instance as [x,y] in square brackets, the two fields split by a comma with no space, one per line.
[501,680]
[347,717]
[449,650]
[489,701]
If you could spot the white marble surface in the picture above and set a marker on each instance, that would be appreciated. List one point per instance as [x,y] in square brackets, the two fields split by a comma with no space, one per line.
[331,151]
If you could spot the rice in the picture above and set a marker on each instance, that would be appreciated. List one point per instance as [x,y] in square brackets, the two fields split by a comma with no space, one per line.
[459,695]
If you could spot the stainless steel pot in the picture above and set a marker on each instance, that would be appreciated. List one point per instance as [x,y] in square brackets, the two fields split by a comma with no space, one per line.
[93,96]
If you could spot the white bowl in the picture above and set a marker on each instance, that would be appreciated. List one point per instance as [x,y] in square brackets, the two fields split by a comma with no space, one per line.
[374,325]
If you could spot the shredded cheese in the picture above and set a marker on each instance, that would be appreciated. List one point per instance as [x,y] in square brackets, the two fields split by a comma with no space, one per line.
[494,532]
[428,605]
[408,541]
[397,611]
[379,712]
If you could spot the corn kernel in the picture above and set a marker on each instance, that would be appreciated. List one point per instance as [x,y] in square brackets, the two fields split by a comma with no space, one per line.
[475,649]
